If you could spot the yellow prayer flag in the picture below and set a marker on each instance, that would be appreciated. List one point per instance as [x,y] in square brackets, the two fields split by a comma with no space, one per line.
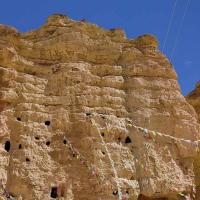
[181,194]
[154,133]
[129,125]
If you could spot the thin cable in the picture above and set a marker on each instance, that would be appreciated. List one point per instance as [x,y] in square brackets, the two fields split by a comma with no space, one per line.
[110,159]
[170,24]
[179,30]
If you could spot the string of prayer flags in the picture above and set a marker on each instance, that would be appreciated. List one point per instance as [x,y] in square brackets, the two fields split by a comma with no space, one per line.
[145,131]
[181,194]
[130,125]
[152,134]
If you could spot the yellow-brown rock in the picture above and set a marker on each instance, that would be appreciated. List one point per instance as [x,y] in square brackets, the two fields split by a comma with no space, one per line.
[72,97]
[194,99]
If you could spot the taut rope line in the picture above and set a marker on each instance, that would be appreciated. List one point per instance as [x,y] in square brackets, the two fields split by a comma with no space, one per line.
[170,24]
[111,162]
[179,29]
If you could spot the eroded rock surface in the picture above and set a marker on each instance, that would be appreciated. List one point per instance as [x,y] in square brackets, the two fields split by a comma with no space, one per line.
[194,99]
[69,94]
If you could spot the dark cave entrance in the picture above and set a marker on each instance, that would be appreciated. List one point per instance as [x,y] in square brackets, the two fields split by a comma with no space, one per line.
[54,192]
[128,140]
[7,146]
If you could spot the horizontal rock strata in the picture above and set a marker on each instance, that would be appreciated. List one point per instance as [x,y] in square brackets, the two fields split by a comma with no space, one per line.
[72,99]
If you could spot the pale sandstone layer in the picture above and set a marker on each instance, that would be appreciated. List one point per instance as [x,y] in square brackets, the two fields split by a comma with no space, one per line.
[74,83]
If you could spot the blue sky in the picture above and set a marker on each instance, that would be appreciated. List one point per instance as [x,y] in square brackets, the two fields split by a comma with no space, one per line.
[136,17]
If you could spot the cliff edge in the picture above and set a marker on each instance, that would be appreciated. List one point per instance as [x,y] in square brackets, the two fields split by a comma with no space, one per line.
[88,114]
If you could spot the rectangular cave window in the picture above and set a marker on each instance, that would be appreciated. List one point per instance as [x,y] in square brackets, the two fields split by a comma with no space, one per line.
[54,192]
[7,146]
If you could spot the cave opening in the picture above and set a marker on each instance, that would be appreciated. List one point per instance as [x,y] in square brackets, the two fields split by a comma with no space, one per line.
[47,123]
[19,119]
[64,141]
[128,140]
[37,138]
[102,134]
[54,192]
[7,146]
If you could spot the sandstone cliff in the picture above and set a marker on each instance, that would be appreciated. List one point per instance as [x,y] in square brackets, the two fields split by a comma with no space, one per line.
[194,99]
[77,106]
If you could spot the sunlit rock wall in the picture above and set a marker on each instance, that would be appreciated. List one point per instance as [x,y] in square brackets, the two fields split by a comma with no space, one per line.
[70,94]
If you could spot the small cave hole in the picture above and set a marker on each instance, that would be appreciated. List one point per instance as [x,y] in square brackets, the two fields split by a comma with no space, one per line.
[19,119]
[7,146]
[27,160]
[48,143]
[47,123]
[64,141]
[88,114]
[128,140]
[103,152]
[119,139]
[37,138]
[102,134]
[20,146]
[127,192]
[103,117]
[54,192]
[115,192]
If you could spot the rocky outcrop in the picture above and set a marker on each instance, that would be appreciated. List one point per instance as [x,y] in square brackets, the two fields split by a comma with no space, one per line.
[194,99]
[88,114]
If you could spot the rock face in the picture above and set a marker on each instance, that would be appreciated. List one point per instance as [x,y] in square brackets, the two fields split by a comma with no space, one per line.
[194,99]
[73,99]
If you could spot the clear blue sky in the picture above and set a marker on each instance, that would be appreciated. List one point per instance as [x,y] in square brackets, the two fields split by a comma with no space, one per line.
[136,17]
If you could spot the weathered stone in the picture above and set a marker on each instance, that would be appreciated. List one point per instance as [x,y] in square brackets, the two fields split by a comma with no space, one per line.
[194,99]
[69,94]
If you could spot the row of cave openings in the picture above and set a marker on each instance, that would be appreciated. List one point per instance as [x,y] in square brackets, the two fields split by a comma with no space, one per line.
[54,190]
[127,139]
[54,193]
[7,145]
